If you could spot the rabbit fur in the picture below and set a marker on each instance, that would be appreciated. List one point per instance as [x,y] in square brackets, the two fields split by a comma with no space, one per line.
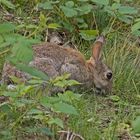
[55,60]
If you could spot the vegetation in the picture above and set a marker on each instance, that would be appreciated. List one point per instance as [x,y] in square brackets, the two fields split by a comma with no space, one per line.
[28,112]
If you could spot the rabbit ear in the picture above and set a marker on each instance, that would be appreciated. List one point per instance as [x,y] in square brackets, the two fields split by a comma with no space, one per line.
[96,51]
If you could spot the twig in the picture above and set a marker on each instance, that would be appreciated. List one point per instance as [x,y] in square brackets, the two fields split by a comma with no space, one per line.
[71,135]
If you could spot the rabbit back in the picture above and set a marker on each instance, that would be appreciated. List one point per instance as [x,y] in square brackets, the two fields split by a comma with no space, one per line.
[53,60]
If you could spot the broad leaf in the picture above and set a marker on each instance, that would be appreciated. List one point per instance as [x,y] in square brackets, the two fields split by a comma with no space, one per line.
[84,9]
[69,4]
[46,5]
[69,12]
[56,121]
[127,10]
[34,111]
[136,125]
[53,26]
[31,71]
[65,108]
[101,2]
[7,27]
[22,51]
[88,34]
[135,27]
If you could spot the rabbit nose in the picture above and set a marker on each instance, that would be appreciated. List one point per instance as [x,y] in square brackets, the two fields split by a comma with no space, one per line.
[109,75]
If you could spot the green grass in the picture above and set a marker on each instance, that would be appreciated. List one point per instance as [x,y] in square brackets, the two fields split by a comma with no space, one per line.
[109,118]
[100,117]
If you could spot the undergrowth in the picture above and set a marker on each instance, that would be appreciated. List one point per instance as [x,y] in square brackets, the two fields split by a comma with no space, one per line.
[28,112]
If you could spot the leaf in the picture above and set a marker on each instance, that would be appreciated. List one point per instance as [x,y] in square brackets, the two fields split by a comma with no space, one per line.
[46,131]
[7,27]
[43,130]
[69,4]
[30,26]
[84,9]
[8,4]
[135,27]
[56,121]
[34,111]
[101,2]
[72,82]
[11,94]
[53,26]
[46,100]
[115,98]
[31,71]
[25,90]
[126,18]
[136,125]
[22,51]
[127,10]
[61,84]
[88,34]
[65,108]
[69,12]
[46,5]
[62,77]
[69,96]
[5,108]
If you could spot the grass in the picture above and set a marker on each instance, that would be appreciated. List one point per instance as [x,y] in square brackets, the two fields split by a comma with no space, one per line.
[100,117]
[109,118]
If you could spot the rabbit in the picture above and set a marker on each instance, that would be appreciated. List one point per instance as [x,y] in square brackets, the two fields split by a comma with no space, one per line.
[55,60]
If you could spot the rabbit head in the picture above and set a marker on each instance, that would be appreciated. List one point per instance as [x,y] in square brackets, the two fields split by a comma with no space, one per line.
[102,74]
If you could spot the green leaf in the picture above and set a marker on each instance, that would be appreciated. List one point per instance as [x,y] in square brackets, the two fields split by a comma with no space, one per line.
[65,108]
[31,71]
[69,96]
[127,10]
[43,130]
[126,18]
[30,26]
[72,83]
[62,77]
[88,34]
[22,51]
[135,27]
[101,2]
[136,125]
[11,94]
[53,26]
[46,5]
[115,98]
[7,27]
[61,84]
[69,12]
[49,101]
[34,111]
[69,4]
[7,3]
[84,9]
[25,90]
[56,121]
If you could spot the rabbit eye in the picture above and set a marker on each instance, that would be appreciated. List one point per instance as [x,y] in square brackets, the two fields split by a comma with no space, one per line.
[109,75]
